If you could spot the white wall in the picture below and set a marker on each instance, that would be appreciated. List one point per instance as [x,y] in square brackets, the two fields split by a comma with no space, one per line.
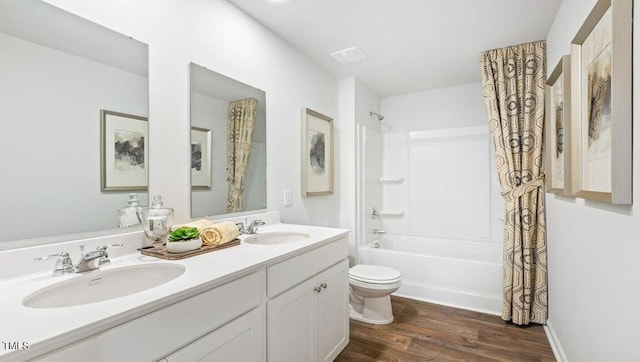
[215,34]
[68,150]
[593,248]
[458,106]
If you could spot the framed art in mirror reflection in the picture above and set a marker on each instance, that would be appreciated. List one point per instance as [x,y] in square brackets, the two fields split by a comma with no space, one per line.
[200,157]
[123,151]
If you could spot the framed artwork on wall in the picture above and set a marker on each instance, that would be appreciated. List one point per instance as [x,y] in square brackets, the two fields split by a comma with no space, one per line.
[200,157]
[558,114]
[123,151]
[601,124]
[317,154]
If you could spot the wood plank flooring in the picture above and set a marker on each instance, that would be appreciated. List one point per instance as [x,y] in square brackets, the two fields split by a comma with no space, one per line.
[429,332]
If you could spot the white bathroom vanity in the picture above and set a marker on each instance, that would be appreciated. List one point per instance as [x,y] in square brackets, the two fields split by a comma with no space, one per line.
[276,301]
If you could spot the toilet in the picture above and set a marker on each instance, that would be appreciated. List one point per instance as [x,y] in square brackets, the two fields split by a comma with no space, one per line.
[369,290]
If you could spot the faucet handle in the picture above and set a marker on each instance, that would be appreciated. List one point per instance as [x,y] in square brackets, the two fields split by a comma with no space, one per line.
[105,247]
[253,227]
[47,257]
[241,228]
[63,264]
[104,259]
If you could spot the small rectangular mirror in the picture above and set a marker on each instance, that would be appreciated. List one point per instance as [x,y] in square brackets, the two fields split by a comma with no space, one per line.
[228,145]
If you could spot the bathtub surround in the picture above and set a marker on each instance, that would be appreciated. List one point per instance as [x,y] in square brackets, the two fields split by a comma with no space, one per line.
[513,79]
[440,261]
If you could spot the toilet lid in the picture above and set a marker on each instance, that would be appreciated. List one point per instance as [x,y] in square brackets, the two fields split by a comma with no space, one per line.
[374,273]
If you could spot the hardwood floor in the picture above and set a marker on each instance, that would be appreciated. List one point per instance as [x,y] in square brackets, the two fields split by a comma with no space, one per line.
[429,332]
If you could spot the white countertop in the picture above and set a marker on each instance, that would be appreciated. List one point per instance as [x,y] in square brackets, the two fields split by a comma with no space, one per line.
[51,328]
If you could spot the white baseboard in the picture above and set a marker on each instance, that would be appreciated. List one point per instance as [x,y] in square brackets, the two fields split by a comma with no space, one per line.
[558,352]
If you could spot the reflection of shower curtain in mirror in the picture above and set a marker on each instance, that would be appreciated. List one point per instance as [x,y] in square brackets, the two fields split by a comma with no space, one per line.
[240,125]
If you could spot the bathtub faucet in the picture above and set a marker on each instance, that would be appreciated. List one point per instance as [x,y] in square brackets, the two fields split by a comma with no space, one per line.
[379,231]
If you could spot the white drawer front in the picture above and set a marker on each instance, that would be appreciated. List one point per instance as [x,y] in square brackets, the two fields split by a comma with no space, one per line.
[288,273]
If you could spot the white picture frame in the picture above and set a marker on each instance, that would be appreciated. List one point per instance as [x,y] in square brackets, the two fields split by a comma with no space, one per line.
[317,154]
[200,157]
[124,155]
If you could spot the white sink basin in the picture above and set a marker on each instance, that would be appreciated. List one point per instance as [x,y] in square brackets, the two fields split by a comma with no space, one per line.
[101,285]
[275,237]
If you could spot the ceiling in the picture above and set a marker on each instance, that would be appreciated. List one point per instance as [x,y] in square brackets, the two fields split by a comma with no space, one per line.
[411,45]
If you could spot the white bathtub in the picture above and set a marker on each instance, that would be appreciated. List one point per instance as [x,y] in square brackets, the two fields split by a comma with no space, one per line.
[458,273]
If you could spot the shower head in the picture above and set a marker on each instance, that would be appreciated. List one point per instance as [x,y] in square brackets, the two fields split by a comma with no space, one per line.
[380,117]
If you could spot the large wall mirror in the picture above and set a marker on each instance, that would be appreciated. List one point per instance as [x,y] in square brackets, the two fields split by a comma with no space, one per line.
[58,71]
[228,145]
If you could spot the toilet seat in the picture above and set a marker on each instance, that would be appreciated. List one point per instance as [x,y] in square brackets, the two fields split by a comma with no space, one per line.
[374,274]
[370,287]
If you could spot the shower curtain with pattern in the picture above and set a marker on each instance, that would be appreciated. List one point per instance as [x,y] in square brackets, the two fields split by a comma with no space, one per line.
[240,125]
[514,88]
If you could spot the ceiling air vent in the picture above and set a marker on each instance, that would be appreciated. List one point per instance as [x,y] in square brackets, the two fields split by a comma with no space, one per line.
[349,55]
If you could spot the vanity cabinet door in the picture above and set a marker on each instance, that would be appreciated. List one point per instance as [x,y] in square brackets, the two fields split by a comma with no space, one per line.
[239,340]
[292,324]
[333,311]
[310,321]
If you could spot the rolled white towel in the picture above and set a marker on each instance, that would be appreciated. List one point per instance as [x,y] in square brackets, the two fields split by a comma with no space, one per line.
[200,224]
[220,233]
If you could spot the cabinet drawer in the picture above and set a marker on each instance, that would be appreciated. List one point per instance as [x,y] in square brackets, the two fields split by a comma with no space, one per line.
[288,273]
[239,340]
[157,334]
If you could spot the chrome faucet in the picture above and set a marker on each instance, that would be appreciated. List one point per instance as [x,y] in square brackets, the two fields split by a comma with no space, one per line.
[241,228]
[94,259]
[253,227]
[105,258]
[63,264]
[89,261]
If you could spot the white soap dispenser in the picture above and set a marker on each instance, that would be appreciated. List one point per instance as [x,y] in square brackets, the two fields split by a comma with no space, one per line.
[129,213]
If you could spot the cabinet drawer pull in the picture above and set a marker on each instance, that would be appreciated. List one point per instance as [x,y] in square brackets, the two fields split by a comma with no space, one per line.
[323,285]
[317,289]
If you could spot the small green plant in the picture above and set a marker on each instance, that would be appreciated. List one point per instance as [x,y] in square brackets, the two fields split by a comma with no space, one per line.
[184,233]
